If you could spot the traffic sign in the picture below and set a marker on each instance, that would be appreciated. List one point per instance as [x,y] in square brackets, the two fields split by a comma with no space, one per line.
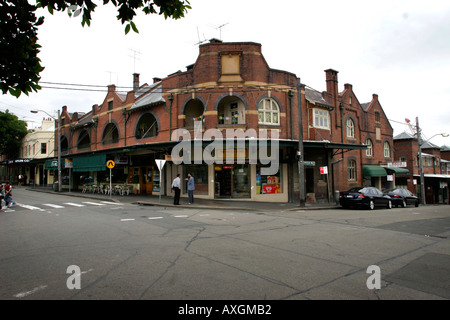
[110,164]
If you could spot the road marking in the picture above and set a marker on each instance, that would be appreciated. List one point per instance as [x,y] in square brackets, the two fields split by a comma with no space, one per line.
[154,218]
[28,206]
[27,293]
[56,206]
[127,220]
[94,203]
[108,202]
[181,216]
[74,204]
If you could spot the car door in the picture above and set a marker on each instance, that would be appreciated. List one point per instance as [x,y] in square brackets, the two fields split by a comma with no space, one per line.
[408,197]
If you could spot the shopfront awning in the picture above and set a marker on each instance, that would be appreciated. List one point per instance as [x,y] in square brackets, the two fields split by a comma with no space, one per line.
[373,171]
[53,164]
[396,170]
[90,163]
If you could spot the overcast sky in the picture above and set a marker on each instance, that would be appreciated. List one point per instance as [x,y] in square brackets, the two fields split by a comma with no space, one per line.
[398,49]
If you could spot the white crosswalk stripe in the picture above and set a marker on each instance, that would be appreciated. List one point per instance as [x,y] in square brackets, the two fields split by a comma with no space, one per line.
[56,206]
[94,203]
[26,206]
[74,204]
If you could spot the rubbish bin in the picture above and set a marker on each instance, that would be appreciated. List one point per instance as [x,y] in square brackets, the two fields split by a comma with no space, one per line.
[55,186]
[336,196]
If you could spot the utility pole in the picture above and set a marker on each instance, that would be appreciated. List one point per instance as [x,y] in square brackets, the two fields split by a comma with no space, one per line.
[300,154]
[422,180]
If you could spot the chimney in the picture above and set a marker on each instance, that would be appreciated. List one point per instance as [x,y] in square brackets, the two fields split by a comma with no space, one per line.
[375,97]
[111,88]
[135,81]
[155,80]
[332,84]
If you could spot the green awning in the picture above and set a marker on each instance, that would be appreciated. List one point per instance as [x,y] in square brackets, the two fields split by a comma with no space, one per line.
[90,163]
[373,171]
[397,170]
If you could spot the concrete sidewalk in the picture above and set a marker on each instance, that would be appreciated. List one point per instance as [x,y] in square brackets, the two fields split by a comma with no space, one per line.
[167,201]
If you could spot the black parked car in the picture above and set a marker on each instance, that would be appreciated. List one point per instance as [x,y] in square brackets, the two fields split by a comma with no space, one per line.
[369,197]
[403,197]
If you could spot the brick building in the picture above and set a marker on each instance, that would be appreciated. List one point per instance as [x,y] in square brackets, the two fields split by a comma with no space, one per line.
[436,167]
[231,89]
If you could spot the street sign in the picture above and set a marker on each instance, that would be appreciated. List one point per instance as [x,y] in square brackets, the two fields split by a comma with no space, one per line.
[323,170]
[110,164]
[160,163]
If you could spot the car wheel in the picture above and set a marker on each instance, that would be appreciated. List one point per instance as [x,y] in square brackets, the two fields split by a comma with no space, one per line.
[389,204]
[403,204]
[371,205]
[417,203]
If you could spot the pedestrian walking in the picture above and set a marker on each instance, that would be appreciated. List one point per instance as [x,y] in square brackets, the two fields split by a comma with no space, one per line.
[2,196]
[176,186]
[190,188]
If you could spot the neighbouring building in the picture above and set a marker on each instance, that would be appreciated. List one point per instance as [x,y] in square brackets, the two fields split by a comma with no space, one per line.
[436,167]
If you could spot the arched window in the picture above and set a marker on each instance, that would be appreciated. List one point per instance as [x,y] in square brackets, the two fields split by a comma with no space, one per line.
[369,150]
[350,128]
[387,150]
[110,134]
[193,112]
[147,126]
[268,112]
[84,141]
[231,110]
[351,170]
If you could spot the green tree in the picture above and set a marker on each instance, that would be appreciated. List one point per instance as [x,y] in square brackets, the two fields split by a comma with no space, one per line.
[20,66]
[12,131]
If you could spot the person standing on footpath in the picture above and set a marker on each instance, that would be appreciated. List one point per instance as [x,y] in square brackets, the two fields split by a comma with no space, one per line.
[190,188]
[176,186]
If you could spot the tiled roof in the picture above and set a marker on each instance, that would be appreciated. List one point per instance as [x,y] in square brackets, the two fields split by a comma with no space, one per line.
[315,97]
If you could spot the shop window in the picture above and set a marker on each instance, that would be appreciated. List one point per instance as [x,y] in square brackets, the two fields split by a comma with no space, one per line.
[84,140]
[147,126]
[267,184]
[268,112]
[321,119]
[200,174]
[110,134]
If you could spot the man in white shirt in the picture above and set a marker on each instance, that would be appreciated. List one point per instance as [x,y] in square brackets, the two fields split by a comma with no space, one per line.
[176,186]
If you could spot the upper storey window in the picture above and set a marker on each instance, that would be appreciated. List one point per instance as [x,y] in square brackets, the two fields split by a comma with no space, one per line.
[321,119]
[269,112]
[350,128]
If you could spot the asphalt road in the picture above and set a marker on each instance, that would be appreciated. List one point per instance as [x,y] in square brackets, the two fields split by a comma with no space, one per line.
[127,251]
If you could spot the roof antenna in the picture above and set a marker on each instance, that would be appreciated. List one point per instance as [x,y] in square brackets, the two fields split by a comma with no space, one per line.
[135,52]
[200,41]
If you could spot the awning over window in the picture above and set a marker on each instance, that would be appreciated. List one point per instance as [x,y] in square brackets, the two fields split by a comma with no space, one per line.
[373,171]
[395,170]
[90,163]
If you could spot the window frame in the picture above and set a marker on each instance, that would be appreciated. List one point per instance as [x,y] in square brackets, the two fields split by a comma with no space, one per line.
[369,144]
[321,115]
[386,149]
[351,170]
[270,110]
[350,128]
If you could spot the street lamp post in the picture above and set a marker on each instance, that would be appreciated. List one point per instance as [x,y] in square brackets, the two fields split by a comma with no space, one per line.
[59,143]
[421,142]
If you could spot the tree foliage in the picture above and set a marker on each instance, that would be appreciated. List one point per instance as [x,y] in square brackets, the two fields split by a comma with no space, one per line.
[12,131]
[19,63]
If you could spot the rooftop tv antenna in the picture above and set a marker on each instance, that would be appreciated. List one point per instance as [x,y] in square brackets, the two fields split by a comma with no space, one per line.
[219,28]
[200,41]
[134,56]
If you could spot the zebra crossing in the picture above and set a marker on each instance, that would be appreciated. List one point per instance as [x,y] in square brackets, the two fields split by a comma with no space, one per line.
[46,206]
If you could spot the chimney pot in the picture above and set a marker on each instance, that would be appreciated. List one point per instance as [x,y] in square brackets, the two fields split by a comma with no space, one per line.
[135,81]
